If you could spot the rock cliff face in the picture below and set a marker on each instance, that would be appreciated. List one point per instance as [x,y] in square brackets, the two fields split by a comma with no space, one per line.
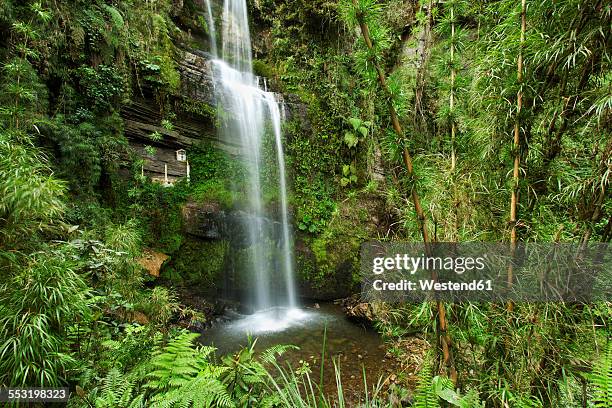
[195,120]
[214,237]
[209,221]
[208,224]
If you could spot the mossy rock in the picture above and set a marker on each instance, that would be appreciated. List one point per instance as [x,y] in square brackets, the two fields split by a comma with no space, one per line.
[328,265]
[199,262]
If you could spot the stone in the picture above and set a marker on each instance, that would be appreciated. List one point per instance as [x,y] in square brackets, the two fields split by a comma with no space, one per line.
[152,261]
[139,317]
[204,220]
[355,309]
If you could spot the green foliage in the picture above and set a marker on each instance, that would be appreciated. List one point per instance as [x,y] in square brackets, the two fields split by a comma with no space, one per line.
[337,245]
[37,305]
[293,387]
[87,148]
[312,190]
[425,395]
[353,13]
[150,150]
[159,210]
[202,109]
[161,305]
[102,86]
[175,374]
[117,390]
[349,175]
[246,376]
[199,262]
[351,139]
[127,350]
[30,197]
[212,176]
[601,378]
[111,262]
[315,218]
[444,389]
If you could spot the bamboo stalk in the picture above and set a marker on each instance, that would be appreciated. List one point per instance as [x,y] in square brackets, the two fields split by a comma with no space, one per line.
[406,156]
[516,147]
[456,201]
[422,220]
[452,90]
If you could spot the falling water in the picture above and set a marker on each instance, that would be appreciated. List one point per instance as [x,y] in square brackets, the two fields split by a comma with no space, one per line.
[287,258]
[210,22]
[252,109]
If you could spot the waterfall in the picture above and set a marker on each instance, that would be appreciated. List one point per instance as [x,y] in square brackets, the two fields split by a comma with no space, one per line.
[251,111]
[287,254]
[210,22]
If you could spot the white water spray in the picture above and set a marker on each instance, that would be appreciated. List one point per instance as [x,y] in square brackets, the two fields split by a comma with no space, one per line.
[251,109]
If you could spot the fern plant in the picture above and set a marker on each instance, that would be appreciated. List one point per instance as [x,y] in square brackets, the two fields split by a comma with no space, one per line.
[246,375]
[118,391]
[444,389]
[182,376]
[601,379]
[425,395]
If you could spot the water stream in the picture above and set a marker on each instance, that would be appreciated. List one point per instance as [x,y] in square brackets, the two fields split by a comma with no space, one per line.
[352,347]
[251,112]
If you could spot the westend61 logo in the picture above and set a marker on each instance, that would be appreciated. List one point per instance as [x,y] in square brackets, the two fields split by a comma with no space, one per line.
[480,272]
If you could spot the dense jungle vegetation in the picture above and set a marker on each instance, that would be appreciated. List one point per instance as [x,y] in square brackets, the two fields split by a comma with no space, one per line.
[426,121]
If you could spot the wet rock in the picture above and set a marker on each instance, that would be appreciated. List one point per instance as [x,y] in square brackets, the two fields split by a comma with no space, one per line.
[357,310]
[152,261]
[139,317]
[337,284]
[210,221]
[204,220]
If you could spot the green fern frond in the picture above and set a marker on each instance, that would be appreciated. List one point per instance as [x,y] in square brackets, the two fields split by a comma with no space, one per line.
[601,378]
[117,391]
[269,355]
[176,363]
[115,16]
[201,391]
[425,396]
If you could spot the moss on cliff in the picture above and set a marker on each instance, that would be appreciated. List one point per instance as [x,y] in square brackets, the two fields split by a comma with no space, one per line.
[200,263]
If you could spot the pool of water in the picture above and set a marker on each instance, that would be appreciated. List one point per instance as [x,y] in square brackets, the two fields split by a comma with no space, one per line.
[354,346]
